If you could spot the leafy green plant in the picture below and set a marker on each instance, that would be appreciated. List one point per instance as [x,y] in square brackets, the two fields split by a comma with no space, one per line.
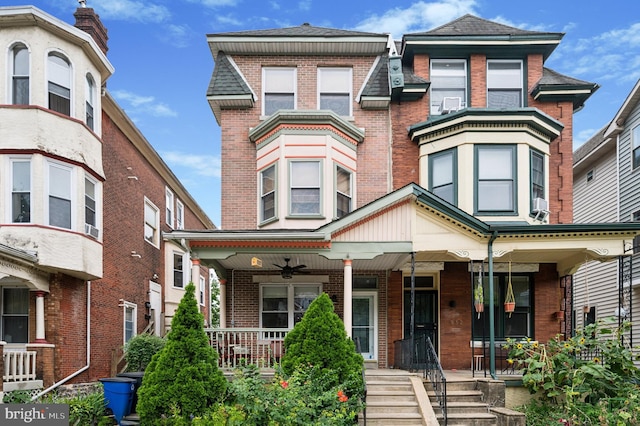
[320,340]
[140,349]
[183,379]
[590,377]
[16,397]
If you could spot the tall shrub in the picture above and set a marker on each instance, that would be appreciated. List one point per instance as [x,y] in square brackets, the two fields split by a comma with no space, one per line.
[320,340]
[139,351]
[184,376]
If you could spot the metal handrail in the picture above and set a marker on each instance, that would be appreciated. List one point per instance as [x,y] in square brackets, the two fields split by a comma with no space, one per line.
[435,374]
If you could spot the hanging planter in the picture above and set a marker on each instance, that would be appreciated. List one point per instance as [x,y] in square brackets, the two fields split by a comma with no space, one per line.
[478,297]
[509,299]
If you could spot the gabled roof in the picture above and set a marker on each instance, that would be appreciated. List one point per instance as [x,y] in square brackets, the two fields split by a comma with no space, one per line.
[228,88]
[554,86]
[470,34]
[617,124]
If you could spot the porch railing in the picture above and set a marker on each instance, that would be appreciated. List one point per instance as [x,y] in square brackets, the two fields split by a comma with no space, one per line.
[19,366]
[239,346]
[435,374]
[410,354]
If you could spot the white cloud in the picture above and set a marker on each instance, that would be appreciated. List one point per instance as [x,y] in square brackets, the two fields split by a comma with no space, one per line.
[229,20]
[199,165]
[216,3]
[132,10]
[304,5]
[176,35]
[143,104]
[420,16]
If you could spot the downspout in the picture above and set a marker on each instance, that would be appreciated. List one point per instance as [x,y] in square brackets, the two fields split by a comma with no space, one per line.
[492,331]
[86,367]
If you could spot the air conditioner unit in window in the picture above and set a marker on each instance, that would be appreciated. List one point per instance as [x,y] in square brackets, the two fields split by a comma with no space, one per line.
[91,230]
[540,208]
[450,104]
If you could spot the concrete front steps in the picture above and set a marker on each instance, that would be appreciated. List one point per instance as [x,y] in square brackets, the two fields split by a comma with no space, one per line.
[392,398]
[465,405]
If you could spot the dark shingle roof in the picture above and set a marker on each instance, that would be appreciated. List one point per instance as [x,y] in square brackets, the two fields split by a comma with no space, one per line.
[226,80]
[304,30]
[590,145]
[469,25]
[552,77]
[378,83]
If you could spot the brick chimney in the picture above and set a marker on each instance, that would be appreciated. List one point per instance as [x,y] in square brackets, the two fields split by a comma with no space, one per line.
[88,21]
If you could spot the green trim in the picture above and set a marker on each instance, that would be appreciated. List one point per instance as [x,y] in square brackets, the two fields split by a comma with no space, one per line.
[453,152]
[476,180]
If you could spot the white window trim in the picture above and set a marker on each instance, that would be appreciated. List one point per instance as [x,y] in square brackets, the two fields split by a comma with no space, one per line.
[337,191]
[91,97]
[128,305]
[463,103]
[97,185]
[320,211]
[186,269]
[10,69]
[505,61]
[295,85]
[71,87]
[179,214]
[169,211]
[261,194]
[202,293]
[350,92]
[72,192]
[290,299]
[9,197]
[156,237]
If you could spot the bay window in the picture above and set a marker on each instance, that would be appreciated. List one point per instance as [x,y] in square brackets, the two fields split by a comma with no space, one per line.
[20,75]
[21,190]
[60,195]
[442,175]
[343,192]
[279,89]
[89,102]
[268,193]
[504,84]
[59,75]
[304,177]
[495,179]
[537,175]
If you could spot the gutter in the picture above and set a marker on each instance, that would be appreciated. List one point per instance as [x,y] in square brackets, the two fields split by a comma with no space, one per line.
[86,367]
[492,327]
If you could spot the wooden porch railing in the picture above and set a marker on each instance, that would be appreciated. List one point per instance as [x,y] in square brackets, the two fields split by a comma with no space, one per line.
[237,346]
[19,366]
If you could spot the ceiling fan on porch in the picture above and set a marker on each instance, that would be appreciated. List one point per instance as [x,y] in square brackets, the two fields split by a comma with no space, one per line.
[287,271]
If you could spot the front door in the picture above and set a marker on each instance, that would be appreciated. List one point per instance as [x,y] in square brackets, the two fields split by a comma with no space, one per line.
[425,313]
[364,323]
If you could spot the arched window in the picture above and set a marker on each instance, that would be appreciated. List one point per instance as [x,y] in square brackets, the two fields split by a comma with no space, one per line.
[20,75]
[91,90]
[59,75]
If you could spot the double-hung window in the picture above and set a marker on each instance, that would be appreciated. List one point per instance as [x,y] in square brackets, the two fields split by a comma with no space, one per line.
[60,195]
[495,179]
[15,315]
[279,89]
[635,147]
[20,75]
[89,102]
[202,291]
[20,190]
[130,320]
[305,187]
[504,84]
[151,223]
[537,175]
[179,215]
[448,80]
[282,306]
[90,219]
[178,270]
[344,192]
[169,207]
[334,90]
[59,75]
[268,193]
[442,175]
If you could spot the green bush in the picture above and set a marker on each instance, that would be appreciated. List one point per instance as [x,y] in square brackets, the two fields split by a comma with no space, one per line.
[320,340]
[140,349]
[183,379]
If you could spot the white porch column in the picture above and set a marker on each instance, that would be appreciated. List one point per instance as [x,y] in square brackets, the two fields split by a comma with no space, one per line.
[40,335]
[223,303]
[348,301]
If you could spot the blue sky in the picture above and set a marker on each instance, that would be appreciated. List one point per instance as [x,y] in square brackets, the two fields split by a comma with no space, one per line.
[163,64]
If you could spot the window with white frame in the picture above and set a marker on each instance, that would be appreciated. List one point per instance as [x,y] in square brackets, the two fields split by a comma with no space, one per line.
[537,175]
[268,193]
[169,207]
[21,190]
[448,80]
[334,90]
[344,192]
[635,147]
[495,179]
[504,84]
[15,315]
[202,292]
[304,177]
[90,218]
[59,76]
[179,214]
[130,320]
[279,89]
[282,306]
[60,195]
[443,175]
[89,102]
[151,223]
[179,271]
[20,74]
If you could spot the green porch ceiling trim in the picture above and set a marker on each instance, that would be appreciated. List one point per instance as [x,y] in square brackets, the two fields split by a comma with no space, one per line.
[365,250]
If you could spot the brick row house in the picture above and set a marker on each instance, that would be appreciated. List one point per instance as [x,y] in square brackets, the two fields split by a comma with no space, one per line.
[85,200]
[398,177]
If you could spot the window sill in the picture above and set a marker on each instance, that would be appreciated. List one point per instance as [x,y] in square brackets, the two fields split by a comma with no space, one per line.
[268,221]
[297,217]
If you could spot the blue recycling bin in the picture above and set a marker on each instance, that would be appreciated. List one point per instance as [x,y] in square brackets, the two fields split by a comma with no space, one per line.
[137,376]
[118,394]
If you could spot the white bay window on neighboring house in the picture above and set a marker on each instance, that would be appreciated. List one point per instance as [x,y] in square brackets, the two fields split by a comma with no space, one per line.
[20,190]
[495,174]
[90,207]
[59,76]
[504,84]
[278,89]
[305,178]
[282,306]
[90,101]
[181,269]
[334,90]
[60,199]
[20,75]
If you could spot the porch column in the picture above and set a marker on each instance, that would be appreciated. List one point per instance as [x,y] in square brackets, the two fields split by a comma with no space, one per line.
[195,274]
[40,336]
[223,303]
[348,302]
